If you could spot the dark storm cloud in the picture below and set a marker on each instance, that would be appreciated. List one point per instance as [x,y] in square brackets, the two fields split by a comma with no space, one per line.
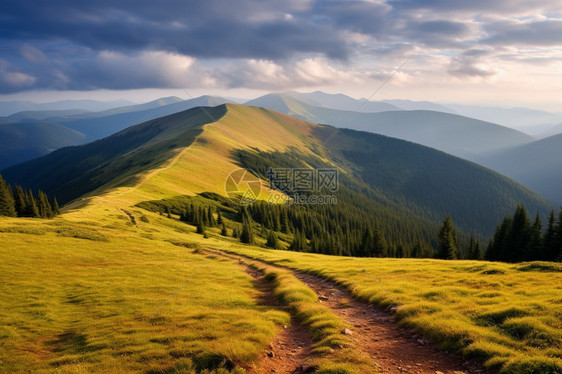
[63,44]
[197,28]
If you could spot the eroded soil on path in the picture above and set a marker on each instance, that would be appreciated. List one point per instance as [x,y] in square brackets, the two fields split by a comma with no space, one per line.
[289,351]
[394,349]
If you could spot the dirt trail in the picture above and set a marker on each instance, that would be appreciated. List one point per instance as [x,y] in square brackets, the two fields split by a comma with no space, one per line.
[394,349]
[287,353]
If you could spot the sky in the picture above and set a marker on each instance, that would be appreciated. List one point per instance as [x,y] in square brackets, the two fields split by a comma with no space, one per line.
[500,52]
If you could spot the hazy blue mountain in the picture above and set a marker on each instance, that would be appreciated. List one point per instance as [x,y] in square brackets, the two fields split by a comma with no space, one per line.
[96,126]
[530,121]
[344,102]
[23,141]
[5,120]
[537,165]
[421,105]
[42,115]
[10,107]
[554,130]
[29,141]
[128,108]
[340,102]
[460,136]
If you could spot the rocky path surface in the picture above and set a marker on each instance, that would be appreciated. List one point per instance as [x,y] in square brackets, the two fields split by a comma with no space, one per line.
[393,349]
[288,352]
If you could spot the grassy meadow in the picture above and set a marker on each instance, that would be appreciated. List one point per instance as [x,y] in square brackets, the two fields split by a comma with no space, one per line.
[79,298]
[507,315]
[109,287]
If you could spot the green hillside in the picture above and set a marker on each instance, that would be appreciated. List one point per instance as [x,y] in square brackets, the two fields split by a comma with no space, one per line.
[73,171]
[110,286]
[403,188]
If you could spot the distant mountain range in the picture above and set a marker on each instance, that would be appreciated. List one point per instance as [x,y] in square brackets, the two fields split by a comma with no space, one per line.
[22,141]
[408,187]
[29,134]
[530,121]
[460,136]
[78,128]
[537,165]
[10,107]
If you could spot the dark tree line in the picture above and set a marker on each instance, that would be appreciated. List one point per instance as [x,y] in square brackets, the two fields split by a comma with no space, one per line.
[329,229]
[20,203]
[518,238]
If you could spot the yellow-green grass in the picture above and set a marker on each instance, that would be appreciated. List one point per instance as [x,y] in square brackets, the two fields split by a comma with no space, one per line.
[507,315]
[91,291]
[107,298]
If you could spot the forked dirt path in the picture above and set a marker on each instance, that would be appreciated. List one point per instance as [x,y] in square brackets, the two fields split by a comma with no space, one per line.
[287,353]
[392,348]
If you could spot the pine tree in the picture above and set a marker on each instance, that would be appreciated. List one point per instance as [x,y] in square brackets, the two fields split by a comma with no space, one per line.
[474,251]
[203,217]
[20,201]
[211,217]
[201,228]
[549,246]
[247,234]
[219,217]
[299,241]
[168,212]
[224,232]
[519,236]
[557,252]
[284,218]
[45,210]
[447,240]
[31,209]
[272,240]
[56,208]
[7,202]
[535,246]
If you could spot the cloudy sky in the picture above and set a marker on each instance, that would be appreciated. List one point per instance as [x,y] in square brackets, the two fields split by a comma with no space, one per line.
[501,52]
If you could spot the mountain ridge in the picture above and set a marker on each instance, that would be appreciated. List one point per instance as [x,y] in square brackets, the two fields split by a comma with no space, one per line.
[208,148]
[460,136]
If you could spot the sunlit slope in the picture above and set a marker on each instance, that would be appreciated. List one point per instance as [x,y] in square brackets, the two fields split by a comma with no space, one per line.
[205,165]
[116,160]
